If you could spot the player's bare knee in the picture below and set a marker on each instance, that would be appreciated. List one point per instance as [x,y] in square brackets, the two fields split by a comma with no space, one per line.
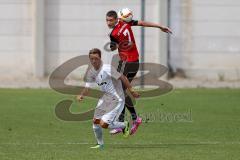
[96,121]
[103,124]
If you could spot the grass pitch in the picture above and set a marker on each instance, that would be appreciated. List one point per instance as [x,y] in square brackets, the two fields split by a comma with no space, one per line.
[184,124]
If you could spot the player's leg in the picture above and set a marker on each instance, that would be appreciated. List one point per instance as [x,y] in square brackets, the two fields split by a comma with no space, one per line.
[122,115]
[120,69]
[130,71]
[97,129]
[136,120]
[111,118]
[112,125]
[122,126]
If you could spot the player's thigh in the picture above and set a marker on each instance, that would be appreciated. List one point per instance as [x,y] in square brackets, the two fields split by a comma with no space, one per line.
[104,106]
[120,66]
[131,69]
[115,113]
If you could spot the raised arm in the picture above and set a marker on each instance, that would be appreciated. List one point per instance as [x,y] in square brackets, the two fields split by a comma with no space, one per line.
[127,84]
[150,24]
[84,92]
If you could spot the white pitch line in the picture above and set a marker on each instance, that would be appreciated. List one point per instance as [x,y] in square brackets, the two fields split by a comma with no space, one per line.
[87,143]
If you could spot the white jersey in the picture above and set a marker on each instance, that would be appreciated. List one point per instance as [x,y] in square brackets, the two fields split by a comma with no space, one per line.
[107,79]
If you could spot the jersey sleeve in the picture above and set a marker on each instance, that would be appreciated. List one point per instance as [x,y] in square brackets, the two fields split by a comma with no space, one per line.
[111,71]
[113,42]
[113,39]
[133,22]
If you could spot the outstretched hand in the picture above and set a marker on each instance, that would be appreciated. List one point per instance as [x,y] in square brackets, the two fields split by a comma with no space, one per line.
[134,94]
[79,98]
[166,30]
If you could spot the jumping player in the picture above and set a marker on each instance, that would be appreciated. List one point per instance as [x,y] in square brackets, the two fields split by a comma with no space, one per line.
[122,38]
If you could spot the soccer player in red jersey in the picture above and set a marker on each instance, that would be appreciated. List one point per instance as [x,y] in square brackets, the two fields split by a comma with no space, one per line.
[122,38]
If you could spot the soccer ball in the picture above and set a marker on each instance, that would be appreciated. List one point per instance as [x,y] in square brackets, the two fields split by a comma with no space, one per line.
[125,14]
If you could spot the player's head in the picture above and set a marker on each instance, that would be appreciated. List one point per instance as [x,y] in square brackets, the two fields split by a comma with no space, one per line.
[95,57]
[111,18]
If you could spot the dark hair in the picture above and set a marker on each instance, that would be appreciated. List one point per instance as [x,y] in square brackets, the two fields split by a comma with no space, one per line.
[112,13]
[95,51]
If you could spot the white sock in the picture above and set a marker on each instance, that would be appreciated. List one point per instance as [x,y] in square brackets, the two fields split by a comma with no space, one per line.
[116,124]
[98,133]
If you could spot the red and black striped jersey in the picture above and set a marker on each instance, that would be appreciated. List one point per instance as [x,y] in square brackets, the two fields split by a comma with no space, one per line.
[123,36]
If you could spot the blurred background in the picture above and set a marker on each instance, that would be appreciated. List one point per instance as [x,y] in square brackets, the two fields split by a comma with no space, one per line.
[37,36]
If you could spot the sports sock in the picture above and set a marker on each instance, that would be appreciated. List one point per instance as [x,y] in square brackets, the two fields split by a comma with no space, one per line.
[116,124]
[122,115]
[133,113]
[130,107]
[98,133]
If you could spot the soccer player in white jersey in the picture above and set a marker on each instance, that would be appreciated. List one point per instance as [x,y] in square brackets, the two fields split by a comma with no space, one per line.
[111,104]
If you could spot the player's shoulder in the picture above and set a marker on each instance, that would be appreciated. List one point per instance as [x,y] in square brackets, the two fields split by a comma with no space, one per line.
[117,27]
[106,67]
[131,23]
[91,72]
[121,24]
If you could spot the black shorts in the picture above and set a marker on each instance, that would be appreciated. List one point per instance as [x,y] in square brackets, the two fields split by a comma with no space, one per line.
[128,69]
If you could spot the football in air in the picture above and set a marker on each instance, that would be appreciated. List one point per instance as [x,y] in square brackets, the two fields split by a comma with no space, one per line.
[125,14]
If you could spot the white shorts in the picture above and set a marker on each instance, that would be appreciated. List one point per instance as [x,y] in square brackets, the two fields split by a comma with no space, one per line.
[109,109]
